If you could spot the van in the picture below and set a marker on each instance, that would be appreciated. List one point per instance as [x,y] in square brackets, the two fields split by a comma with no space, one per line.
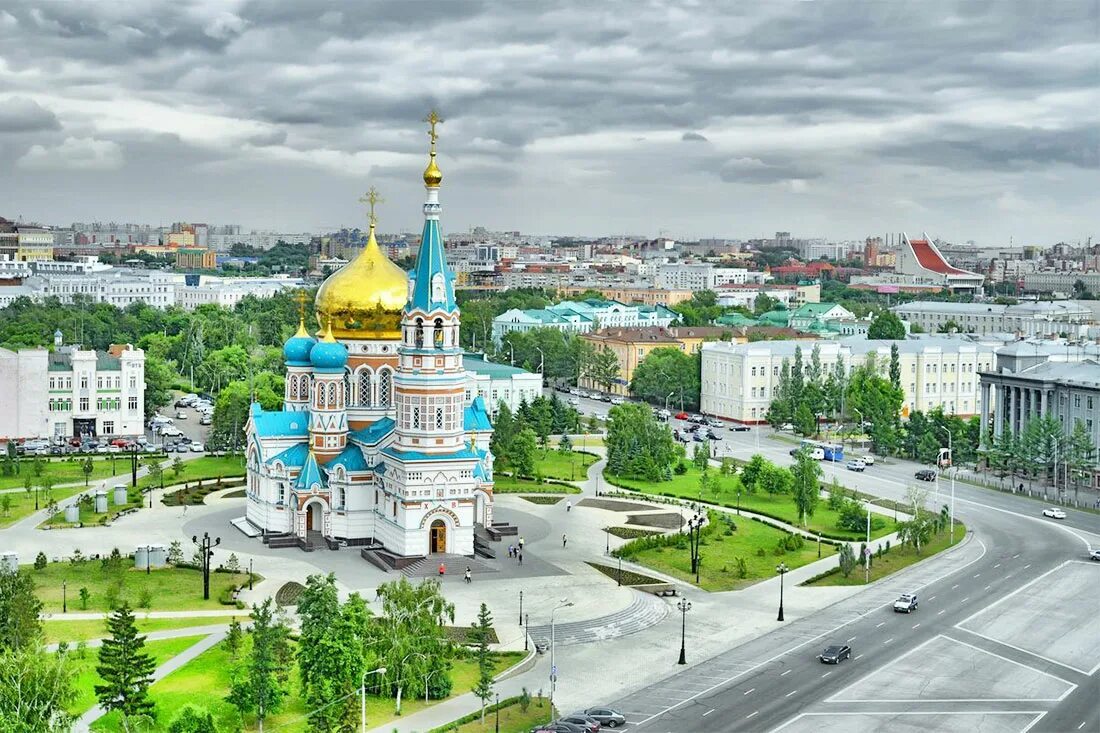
[818,454]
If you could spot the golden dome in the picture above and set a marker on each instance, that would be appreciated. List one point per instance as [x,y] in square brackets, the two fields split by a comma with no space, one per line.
[365,298]
[432,175]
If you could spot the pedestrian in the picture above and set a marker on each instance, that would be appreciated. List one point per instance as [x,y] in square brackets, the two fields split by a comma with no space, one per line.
[521,544]
[442,570]
[563,540]
[511,550]
[520,556]
[468,578]
[568,506]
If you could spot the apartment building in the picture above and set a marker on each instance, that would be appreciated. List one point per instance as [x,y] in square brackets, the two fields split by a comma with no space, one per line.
[582,316]
[703,276]
[1045,318]
[739,381]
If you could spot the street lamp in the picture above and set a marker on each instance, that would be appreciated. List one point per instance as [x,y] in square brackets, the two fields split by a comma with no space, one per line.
[684,605]
[867,548]
[206,544]
[64,597]
[542,363]
[667,398]
[498,714]
[250,573]
[695,532]
[526,626]
[133,470]
[363,697]
[521,608]
[782,570]
[951,453]
[607,544]
[554,667]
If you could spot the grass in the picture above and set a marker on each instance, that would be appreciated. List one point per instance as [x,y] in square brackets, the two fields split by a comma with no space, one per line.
[627,577]
[719,552]
[512,719]
[779,506]
[543,498]
[205,681]
[205,468]
[88,629]
[572,466]
[90,518]
[169,589]
[22,503]
[504,484]
[197,493]
[85,677]
[899,557]
[66,470]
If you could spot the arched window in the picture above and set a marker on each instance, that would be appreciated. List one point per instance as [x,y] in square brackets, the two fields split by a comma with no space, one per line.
[437,288]
[331,400]
[384,382]
[365,387]
[347,387]
[437,333]
[418,340]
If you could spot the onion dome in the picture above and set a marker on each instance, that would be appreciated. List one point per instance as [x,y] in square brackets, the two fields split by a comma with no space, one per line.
[328,354]
[297,347]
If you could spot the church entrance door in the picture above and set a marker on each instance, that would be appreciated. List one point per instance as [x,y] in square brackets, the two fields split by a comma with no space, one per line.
[314,520]
[438,536]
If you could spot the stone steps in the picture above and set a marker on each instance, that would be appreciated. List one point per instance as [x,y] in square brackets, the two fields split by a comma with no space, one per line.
[646,610]
[428,567]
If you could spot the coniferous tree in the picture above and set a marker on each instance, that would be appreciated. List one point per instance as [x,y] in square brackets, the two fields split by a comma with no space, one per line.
[20,612]
[126,668]
[233,638]
[257,685]
[483,688]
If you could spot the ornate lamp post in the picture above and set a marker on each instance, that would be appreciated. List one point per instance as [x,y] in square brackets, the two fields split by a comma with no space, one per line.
[684,605]
[207,552]
[695,531]
[782,570]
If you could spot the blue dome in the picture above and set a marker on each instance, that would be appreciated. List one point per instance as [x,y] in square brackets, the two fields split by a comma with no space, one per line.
[329,356]
[296,350]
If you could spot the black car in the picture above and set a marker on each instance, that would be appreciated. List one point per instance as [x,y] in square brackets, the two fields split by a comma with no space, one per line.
[741,428]
[835,654]
[697,437]
[711,435]
[926,474]
[607,716]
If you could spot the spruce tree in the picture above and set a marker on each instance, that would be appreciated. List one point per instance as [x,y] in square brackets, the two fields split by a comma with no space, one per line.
[257,685]
[483,689]
[126,669]
[233,638]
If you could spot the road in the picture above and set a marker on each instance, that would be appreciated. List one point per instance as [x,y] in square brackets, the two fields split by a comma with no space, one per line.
[1006,642]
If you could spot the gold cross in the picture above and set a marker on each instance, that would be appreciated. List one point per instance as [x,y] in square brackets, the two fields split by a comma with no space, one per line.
[371,199]
[433,119]
[301,298]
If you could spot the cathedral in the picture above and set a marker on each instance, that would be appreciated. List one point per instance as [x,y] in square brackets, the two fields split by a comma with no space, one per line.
[376,444]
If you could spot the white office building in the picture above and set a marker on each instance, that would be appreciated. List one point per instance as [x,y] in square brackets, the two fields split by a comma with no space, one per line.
[1045,318]
[496,383]
[703,276]
[227,292]
[739,381]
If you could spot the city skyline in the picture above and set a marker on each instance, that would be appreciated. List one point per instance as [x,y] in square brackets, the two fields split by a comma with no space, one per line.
[838,121]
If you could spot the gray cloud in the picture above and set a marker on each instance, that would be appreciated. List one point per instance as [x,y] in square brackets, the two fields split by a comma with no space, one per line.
[570,100]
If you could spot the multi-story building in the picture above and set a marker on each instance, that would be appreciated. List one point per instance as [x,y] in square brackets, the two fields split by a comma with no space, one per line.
[922,263]
[793,295]
[1046,281]
[118,286]
[645,296]
[196,259]
[815,316]
[1042,318]
[499,383]
[581,316]
[703,276]
[24,242]
[72,392]
[738,381]
[227,292]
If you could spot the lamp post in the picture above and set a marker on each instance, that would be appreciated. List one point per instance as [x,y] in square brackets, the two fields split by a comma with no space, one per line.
[207,552]
[667,396]
[620,571]
[521,608]
[782,570]
[695,532]
[363,697]
[526,626]
[64,597]
[542,363]
[684,605]
[498,714]
[951,453]
[867,549]
[133,470]
[553,666]
[250,573]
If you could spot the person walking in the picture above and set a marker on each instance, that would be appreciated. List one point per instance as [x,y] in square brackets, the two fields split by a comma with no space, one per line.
[568,506]
[563,540]
[519,555]
[468,577]
[442,570]
[521,544]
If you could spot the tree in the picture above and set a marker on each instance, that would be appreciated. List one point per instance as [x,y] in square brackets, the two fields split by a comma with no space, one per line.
[124,666]
[603,368]
[481,633]
[256,684]
[638,446]
[36,689]
[84,596]
[949,327]
[504,429]
[155,471]
[87,467]
[5,504]
[20,610]
[521,453]
[878,401]
[193,719]
[233,638]
[886,325]
[847,559]
[774,479]
[765,303]
[701,456]
[804,421]
[40,561]
[752,472]
[668,371]
[806,486]
[895,367]
[177,467]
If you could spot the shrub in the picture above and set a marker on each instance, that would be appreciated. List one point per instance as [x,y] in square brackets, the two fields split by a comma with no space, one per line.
[40,561]
[145,598]
[681,468]
[760,552]
[847,559]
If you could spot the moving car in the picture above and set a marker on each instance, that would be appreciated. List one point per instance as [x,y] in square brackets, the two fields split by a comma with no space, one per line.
[574,401]
[856,465]
[1054,513]
[1094,555]
[698,419]
[907,603]
[835,654]
[715,422]
[607,716]
[868,460]
[698,437]
[617,401]
[741,428]
[926,474]
[663,415]
[681,416]
[181,415]
[711,435]
[206,420]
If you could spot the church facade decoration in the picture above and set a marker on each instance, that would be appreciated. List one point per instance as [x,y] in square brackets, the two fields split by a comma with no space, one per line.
[376,441]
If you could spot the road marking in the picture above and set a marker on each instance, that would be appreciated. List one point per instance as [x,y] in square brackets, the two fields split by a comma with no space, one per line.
[851,639]
[888,641]
[942,612]
[792,692]
[708,712]
[748,691]
[1082,725]
[826,675]
[882,624]
[932,598]
[754,712]
[954,586]
[988,587]
[1027,566]
[977,575]
[1015,556]
[915,625]
[996,566]
[966,599]
[858,656]
[785,673]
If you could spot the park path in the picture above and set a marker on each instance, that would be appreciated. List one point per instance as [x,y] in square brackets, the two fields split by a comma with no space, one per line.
[83,725]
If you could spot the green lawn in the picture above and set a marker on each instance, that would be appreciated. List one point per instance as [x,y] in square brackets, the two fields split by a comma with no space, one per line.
[207,467]
[170,588]
[205,681]
[572,466]
[85,677]
[65,470]
[719,551]
[504,484]
[22,504]
[899,557]
[779,506]
[512,719]
[91,518]
[88,629]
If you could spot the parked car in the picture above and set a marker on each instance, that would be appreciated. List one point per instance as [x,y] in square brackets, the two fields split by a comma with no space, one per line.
[741,428]
[206,420]
[141,440]
[663,415]
[856,465]
[681,415]
[184,439]
[181,415]
[588,723]
[618,400]
[698,438]
[560,727]
[786,426]
[1054,513]
[711,435]
[715,422]
[835,654]
[1094,555]
[907,603]
[197,447]
[926,474]
[698,419]
[112,448]
[607,716]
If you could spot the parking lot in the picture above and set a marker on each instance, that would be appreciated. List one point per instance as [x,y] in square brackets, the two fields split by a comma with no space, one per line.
[179,427]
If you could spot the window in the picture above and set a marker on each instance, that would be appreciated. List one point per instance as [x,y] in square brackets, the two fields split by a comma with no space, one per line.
[99,382]
[416,418]
[384,378]
[84,382]
[439,418]
[1088,402]
[133,382]
[364,387]
[109,427]
[51,382]
[1076,400]
[133,403]
[347,387]
[83,404]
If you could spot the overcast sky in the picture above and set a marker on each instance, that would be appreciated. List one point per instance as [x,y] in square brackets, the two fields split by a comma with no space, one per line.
[976,120]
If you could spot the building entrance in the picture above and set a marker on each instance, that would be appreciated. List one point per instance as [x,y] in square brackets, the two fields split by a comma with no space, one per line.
[438,541]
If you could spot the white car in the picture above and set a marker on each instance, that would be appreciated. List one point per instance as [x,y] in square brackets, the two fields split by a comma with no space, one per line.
[618,401]
[197,448]
[1094,555]
[868,460]
[181,415]
[1054,513]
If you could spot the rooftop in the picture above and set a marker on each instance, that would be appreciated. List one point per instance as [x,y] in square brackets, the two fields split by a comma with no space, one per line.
[476,363]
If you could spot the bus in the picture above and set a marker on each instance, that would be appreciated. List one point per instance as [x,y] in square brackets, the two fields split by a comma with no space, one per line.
[833,451]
